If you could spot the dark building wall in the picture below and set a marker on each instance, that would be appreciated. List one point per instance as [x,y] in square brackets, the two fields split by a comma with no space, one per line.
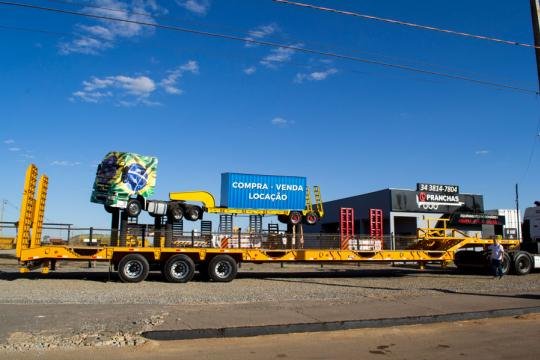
[361,204]
[391,200]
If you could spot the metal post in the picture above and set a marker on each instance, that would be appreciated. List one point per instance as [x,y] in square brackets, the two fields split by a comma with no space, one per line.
[115,219]
[143,228]
[517,210]
[91,233]
[535,15]
[193,238]
[239,238]
[2,209]
[69,233]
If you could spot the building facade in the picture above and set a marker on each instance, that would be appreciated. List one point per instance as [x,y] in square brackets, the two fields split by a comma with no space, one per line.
[405,210]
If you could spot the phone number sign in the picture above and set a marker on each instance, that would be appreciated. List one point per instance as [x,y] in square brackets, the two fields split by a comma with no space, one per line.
[438,188]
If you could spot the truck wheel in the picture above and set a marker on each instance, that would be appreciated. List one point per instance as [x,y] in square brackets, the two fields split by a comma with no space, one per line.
[179,269]
[283,219]
[311,218]
[176,212]
[133,208]
[222,268]
[506,264]
[133,268]
[193,213]
[522,263]
[110,209]
[295,217]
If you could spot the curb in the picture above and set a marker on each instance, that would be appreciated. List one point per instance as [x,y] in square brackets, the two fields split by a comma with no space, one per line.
[247,331]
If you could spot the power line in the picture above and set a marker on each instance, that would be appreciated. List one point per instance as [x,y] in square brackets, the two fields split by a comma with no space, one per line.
[273,44]
[151,16]
[404,23]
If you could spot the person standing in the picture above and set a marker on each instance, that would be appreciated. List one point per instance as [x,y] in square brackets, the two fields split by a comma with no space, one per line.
[497,253]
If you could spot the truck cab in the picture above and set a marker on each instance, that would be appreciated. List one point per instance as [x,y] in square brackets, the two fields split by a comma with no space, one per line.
[531,229]
[124,181]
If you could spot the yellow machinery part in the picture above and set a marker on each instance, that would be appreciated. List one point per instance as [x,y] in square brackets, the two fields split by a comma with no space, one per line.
[27,209]
[200,196]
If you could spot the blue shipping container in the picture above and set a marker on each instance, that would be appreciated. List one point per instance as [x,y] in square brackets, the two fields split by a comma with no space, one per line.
[248,191]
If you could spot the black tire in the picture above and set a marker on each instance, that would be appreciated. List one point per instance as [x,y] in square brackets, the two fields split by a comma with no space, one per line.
[295,217]
[311,218]
[222,268]
[133,268]
[283,219]
[179,269]
[193,213]
[175,212]
[133,208]
[522,264]
[110,209]
[506,264]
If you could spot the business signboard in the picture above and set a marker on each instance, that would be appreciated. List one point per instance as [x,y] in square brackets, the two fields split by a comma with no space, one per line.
[476,219]
[250,191]
[423,201]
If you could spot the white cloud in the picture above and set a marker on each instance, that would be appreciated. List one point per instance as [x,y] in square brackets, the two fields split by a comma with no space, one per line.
[93,39]
[482,152]
[98,89]
[169,83]
[315,75]
[9,141]
[132,90]
[250,70]
[278,56]
[28,156]
[261,32]
[281,122]
[14,149]
[65,163]
[199,7]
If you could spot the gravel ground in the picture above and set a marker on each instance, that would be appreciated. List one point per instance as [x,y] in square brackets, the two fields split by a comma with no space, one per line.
[255,283]
[73,285]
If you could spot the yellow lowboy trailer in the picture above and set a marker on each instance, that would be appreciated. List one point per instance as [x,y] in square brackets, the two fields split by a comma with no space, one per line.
[178,264]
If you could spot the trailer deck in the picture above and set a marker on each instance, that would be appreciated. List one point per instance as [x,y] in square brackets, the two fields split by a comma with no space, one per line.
[178,263]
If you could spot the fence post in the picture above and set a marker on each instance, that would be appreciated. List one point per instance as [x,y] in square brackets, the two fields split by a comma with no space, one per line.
[91,233]
[193,238]
[239,238]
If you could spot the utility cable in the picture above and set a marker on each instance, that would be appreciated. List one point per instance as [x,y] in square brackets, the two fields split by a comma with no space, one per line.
[405,23]
[272,44]
[152,16]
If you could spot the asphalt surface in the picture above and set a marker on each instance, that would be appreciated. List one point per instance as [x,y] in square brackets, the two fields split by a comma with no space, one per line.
[77,308]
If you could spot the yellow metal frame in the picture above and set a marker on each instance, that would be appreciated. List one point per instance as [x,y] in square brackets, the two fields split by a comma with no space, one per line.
[433,244]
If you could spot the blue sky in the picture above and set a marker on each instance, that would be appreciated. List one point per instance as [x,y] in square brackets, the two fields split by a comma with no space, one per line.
[205,106]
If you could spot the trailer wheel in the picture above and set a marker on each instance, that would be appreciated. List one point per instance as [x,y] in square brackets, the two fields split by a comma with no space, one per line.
[133,268]
[311,218]
[506,264]
[176,212]
[193,213]
[295,217]
[179,269]
[133,208]
[222,268]
[522,263]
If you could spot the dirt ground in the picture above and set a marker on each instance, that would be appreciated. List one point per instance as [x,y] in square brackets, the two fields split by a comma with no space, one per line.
[501,338]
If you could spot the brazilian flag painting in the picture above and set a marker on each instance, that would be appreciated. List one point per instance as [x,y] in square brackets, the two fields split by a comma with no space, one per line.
[124,175]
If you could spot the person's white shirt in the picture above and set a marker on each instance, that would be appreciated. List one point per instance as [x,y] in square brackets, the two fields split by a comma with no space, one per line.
[497,251]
